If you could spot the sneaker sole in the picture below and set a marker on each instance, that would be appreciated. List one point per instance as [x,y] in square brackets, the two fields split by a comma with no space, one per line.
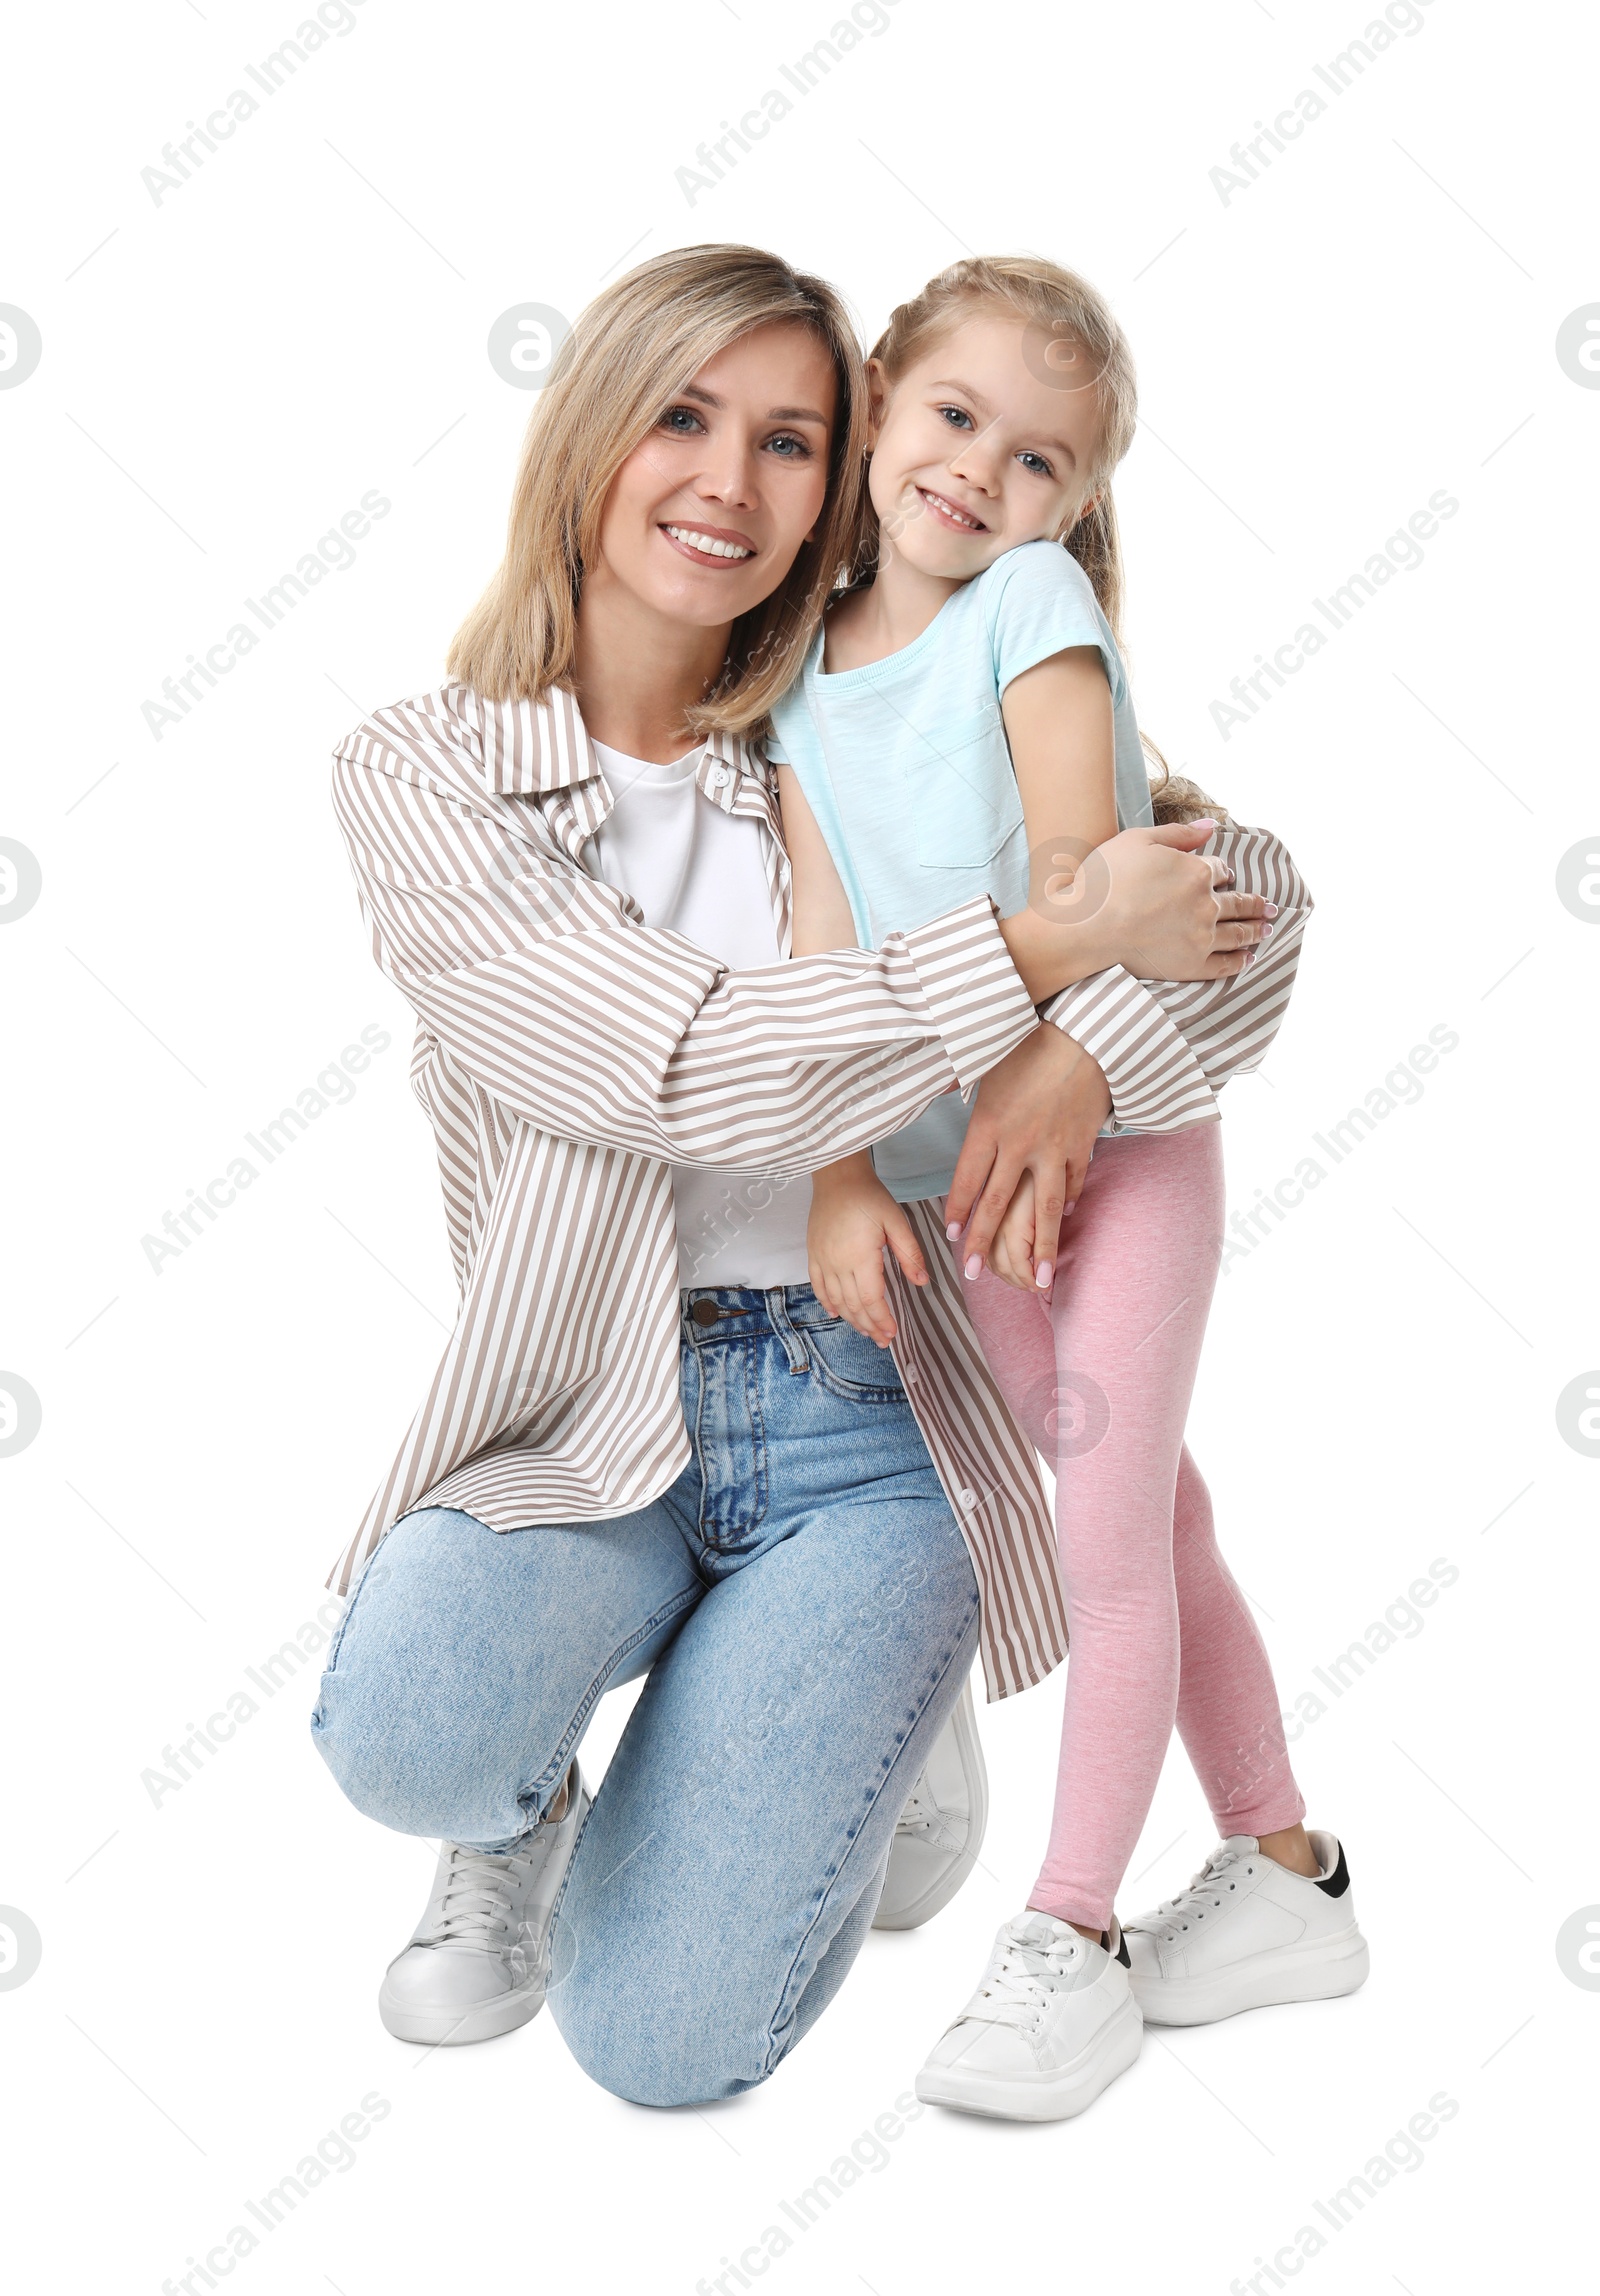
[1055,2096]
[1325,1971]
[485,2022]
[934,1899]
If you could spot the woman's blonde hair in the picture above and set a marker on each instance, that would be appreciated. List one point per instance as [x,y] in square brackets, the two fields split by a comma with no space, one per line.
[1067,322]
[632,349]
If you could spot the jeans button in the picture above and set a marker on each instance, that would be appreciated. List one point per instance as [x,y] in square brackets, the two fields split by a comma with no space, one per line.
[705,1311]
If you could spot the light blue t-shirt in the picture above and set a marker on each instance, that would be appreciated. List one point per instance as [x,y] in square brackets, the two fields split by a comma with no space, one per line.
[905,765]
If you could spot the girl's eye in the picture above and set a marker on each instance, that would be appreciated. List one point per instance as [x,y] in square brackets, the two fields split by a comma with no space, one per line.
[957,417]
[683,422]
[1036,463]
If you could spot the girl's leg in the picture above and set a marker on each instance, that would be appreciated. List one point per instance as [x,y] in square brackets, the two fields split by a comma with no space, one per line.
[1102,1387]
[1228,1714]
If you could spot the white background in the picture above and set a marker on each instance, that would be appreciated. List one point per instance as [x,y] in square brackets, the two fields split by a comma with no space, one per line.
[224,375]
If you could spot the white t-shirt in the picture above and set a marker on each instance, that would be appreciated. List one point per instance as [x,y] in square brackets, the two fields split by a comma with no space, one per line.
[696,870]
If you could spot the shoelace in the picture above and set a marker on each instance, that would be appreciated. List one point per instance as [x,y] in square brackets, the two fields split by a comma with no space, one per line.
[1017,1981]
[923,1817]
[1203,1895]
[475,1903]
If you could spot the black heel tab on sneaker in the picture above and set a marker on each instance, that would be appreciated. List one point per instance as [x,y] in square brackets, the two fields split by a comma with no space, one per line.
[1123,1955]
[1336,1883]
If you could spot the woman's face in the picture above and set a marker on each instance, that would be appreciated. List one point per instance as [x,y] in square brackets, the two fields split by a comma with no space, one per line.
[708,513]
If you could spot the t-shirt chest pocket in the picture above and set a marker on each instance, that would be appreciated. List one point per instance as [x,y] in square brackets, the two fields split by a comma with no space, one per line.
[961,792]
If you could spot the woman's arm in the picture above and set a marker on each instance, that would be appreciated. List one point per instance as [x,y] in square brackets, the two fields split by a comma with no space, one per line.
[537,979]
[1168,1046]
[533,980]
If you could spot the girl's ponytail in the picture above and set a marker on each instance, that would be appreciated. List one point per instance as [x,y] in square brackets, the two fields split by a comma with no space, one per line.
[1097,546]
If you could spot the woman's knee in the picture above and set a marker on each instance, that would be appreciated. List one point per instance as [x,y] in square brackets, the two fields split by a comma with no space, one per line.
[399,1721]
[393,1759]
[644,2036]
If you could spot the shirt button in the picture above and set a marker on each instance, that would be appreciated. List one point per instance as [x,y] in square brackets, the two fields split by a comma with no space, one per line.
[705,1311]
[719,777]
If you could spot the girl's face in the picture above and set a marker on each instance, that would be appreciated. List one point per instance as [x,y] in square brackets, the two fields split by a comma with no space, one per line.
[983,443]
[708,513]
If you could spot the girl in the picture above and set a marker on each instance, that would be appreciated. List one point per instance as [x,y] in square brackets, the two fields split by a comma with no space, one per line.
[963,725]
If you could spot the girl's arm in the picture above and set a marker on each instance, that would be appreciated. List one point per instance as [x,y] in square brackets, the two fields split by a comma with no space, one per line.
[1058,723]
[1059,726]
[820,905]
[853,1216]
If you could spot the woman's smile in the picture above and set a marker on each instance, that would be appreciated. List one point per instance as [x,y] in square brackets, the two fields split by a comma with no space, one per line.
[710,545]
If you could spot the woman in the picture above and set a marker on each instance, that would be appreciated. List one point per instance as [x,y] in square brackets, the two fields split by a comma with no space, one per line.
[572,867]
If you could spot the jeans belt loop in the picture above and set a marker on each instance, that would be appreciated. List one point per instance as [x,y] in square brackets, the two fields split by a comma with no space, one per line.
[794,1342]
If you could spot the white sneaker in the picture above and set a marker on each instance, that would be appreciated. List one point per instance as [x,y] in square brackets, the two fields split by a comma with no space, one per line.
[940,1832]
[477,1963]
[1053,2023]
[1246,1933]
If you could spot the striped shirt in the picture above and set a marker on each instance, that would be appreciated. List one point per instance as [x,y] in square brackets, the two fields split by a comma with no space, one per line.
[566,1055]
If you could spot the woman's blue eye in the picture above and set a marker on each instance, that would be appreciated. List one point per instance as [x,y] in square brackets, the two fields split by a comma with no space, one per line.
[787,440]
[682,420]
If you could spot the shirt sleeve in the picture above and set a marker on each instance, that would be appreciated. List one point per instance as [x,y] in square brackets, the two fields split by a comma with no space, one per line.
[1044,602]
[529,975]
[1168,1047]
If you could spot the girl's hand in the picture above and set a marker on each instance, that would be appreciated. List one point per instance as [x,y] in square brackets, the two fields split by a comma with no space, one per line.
[1016,1242]
[853,1219]
[1037,1112]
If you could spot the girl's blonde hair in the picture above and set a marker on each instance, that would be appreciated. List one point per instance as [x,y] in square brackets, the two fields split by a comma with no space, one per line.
[631,350]
[1067,322]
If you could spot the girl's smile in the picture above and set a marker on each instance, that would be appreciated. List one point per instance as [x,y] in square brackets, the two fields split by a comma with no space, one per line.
[948,514]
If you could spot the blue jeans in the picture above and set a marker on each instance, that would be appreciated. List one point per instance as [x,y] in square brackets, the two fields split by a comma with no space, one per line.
[805,1609]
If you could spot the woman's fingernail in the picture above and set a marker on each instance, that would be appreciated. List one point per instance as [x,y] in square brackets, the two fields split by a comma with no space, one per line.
[974,1266]
[952,1231]
[1072,1207]
[1267,932]
[1271,909]
[1250,957]
[1043,1274]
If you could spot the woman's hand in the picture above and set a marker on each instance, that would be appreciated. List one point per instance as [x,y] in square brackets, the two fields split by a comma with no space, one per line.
[853,1218]
[1036,1114]
[1146,899]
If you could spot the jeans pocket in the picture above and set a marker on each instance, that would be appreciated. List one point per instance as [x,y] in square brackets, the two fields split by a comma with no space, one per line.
[850,1365]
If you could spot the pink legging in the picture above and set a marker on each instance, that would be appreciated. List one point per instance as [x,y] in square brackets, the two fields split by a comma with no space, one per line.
[1100,1382]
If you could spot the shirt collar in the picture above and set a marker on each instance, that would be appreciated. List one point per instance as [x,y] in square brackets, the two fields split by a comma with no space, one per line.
[531,748]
